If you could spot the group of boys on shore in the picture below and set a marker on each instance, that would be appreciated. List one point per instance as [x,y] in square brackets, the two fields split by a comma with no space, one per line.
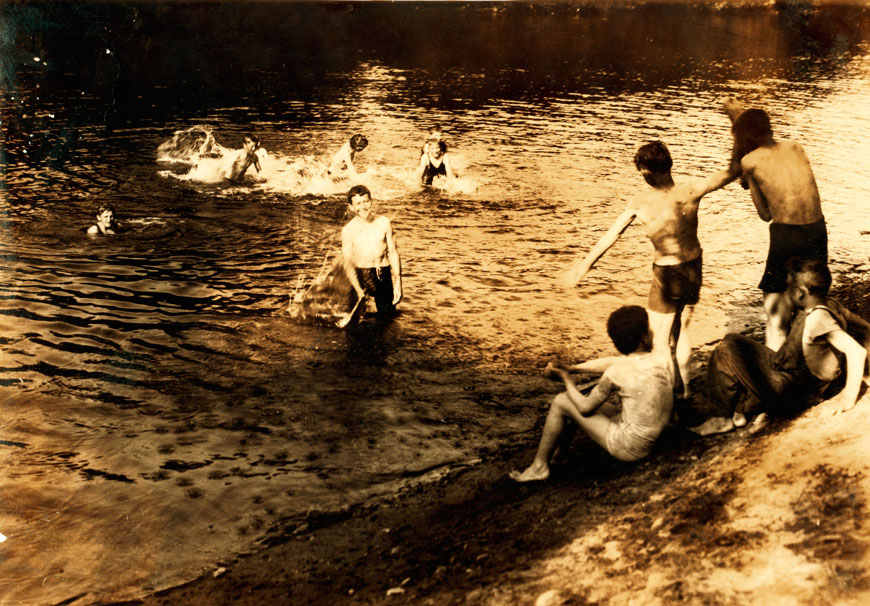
[809,337]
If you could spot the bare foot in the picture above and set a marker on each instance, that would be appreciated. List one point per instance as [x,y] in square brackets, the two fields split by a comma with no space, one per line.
[713,425]
[739,419]
[531,474]
[758,423]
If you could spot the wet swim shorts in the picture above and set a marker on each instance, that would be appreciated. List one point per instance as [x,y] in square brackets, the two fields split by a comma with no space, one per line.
[675,286]
[626,444]
[430,172]
[787,241]
[378,281]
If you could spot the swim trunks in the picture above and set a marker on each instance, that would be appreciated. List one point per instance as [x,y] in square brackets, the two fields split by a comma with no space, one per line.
[626,444]
[378,281]
[430,172]
[787,241]
[675,286]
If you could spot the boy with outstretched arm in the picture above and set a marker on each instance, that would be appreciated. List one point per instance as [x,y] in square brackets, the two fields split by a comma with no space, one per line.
[369,252]
[642,379]
[785,194]
[669,212]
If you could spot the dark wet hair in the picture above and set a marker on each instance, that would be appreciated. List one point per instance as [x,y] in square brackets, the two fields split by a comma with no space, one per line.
[253,138]
[104,207]
[435,128]
[627,327]
[654,156]
[812,274]
[751,130]
[442,147]
[358,190]
[358,142]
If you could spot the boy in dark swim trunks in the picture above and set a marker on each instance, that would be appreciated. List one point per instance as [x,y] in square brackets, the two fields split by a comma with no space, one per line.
[643,381]
[746,379]
[784,191]
[669,212]
[371,259]
[434,161]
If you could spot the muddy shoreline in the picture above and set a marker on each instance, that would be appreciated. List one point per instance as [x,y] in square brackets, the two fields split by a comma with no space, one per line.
[459,536]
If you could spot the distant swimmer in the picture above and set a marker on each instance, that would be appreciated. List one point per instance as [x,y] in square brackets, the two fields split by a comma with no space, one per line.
[106,224]
[246,157]
[342,161]
[785,194]
[371,259]
[642,381]
[434,161]
[669,212]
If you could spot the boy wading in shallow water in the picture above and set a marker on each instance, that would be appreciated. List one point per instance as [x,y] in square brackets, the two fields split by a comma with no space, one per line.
[669,211]
[369,251]
[784,191]
[106,224]
[342,161]
[643,382]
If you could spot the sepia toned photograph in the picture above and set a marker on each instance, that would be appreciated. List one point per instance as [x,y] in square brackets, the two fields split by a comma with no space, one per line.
[435,303]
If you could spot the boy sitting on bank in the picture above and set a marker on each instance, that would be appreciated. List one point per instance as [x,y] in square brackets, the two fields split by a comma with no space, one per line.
[745,378]
[371,259]
[785,194]
[342,161]
[246,157]
[641,379]
[669,212]
[106,224]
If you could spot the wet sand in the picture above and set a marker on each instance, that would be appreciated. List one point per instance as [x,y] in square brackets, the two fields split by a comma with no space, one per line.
[702,521]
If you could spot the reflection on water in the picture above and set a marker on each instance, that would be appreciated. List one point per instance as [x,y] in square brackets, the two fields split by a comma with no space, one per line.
[165,397]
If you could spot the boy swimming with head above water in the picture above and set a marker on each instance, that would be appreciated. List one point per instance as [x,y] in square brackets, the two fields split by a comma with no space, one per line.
[342,161]
[669,212]
[106,224]
[368,248]
[641,379]
[246,157]
[434,161]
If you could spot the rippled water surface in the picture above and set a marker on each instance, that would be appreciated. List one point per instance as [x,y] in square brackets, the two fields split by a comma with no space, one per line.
[161,407]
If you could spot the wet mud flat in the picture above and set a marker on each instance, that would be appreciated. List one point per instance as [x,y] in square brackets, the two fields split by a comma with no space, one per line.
[702,521]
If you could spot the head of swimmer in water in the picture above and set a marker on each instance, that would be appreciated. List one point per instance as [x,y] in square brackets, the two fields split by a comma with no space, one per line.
[654,162]
[359,201]
[105,216]
[628,328]
[358,143]
[438,150]
[250,143]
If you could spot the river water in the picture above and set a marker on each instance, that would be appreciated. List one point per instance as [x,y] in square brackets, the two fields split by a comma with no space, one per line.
[160,409]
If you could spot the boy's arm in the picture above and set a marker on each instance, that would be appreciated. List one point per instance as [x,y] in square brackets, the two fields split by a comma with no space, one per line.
[856,355]
[586,405]
[716,181]
[758,198]
[579,270]
[598,365]
[349,267]
[395,264]
[418,174]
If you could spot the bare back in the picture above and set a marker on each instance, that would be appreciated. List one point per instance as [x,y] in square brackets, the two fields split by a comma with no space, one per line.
[782,174]
[365,243]
[670,219]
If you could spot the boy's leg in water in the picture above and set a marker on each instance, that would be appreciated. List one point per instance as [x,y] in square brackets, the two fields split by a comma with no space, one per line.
[561,408]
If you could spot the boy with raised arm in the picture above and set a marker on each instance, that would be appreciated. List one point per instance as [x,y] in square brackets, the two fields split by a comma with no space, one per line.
[246,157]
[643,381]
[669,212]
[746,379]
[343,159]
[785,194]
[368,248]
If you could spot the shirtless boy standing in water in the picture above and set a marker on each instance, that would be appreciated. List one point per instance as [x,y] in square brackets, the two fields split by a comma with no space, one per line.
[670,213]
[370,257]
[785,194]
